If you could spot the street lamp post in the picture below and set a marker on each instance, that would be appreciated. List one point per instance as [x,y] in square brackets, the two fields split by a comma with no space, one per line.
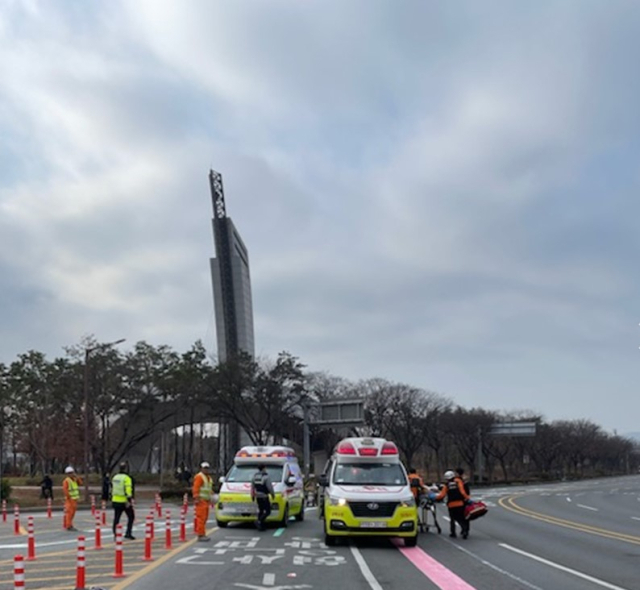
[87,353]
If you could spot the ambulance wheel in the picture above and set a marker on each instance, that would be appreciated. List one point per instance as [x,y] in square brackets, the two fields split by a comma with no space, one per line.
[300,515]
[411,541]
[222,524]
[285,517]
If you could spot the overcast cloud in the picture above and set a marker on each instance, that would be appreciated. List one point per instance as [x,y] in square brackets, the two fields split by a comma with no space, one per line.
[442,194]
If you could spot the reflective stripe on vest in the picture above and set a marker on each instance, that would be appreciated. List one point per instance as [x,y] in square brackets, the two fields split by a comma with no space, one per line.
[206,489]
[120,483]
[74,491]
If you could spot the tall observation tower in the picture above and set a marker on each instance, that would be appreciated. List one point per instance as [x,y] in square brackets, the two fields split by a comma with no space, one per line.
[231,298]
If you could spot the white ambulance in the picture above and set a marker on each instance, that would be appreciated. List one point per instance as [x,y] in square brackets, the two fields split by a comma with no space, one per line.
[367,493]
[234,500]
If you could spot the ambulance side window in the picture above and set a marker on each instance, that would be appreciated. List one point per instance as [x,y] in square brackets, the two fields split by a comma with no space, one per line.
[326,474]
[295,470]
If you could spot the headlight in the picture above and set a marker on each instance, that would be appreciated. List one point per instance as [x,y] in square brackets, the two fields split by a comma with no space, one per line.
[337,501]
[408,502]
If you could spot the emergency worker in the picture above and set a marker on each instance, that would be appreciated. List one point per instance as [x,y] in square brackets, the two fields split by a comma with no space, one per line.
[202,494]
[122,500]
[416,484]
[71,489]
[457,497]
[261,492]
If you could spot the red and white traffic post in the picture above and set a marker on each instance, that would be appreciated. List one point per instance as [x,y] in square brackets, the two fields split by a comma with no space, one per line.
[167,531]
[147,540]
[183,527]
[31,541]
[80,564]
[119,563]
[16,519]
[18,572]
[98,535]
[49,508]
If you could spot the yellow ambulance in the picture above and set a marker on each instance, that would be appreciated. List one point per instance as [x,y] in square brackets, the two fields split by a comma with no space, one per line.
[366,492]
[234,500]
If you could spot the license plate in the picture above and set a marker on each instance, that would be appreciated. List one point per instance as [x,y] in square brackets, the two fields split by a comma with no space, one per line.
[373,525]
[241,508]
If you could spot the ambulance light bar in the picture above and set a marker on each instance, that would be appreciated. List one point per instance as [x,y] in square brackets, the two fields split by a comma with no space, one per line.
[245,454]
[389,448]
[346,449]
[368,452]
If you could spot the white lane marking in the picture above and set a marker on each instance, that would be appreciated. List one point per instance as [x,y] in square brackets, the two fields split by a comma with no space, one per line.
[587,507]
[635,518]
[563,568]
[269,579]
[568,499]
[494,567]
[51,544]
[364,568]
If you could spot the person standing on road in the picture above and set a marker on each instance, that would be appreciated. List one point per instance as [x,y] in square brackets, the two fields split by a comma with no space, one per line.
[457,497]
[460,473]
[416,484]
[122,500]
[46,486]
[261,492]
[106,487]
[71,489]
[202,494]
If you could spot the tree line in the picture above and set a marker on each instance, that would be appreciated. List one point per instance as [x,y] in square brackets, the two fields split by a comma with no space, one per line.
[131,395]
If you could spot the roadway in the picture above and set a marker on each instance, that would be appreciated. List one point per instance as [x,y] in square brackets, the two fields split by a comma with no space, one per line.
[569,536]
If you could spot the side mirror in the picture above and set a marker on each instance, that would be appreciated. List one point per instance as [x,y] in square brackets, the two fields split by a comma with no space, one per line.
[222,479]
[291,480]
[323,480]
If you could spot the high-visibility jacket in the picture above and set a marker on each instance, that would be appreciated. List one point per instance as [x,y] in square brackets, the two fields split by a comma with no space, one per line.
[121,488]
[71,489]
[455,493]
[202,487]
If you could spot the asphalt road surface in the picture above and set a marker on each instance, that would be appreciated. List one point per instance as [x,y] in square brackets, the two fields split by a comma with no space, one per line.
[569,536]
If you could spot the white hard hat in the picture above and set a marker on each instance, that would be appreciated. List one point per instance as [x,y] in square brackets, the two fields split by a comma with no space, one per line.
[204,464]
[69,469]
[449,474]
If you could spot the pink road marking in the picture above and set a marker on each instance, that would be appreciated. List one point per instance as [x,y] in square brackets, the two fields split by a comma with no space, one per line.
[434,570]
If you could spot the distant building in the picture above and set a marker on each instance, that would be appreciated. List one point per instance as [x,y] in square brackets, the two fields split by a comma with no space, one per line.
[232,301]
[231,281]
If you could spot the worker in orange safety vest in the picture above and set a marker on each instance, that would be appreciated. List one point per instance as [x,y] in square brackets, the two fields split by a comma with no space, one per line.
[71,488]
[202,494]
[457,497]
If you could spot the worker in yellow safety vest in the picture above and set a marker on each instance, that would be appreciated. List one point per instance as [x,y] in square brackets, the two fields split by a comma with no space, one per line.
[71,488]
[122,499]
[202,495]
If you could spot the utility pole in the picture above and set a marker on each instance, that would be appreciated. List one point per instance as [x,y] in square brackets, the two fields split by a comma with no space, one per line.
[306,436]
[480,455]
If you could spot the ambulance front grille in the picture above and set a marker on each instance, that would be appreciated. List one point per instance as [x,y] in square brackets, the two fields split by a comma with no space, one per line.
[373,509]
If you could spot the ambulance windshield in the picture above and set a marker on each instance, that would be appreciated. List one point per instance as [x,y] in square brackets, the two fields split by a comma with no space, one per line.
[379,474]
[245,473]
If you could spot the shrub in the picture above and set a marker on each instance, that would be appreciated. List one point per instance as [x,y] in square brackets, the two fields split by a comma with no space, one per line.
[5,489]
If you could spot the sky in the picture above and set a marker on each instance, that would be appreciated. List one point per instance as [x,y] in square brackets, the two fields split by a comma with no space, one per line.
[442,194]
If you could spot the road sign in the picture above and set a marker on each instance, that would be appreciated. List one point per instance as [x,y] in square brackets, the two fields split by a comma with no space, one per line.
[513,429]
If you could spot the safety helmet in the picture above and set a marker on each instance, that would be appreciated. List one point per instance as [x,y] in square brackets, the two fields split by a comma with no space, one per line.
[449,474]
[69,469]
[204,465]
